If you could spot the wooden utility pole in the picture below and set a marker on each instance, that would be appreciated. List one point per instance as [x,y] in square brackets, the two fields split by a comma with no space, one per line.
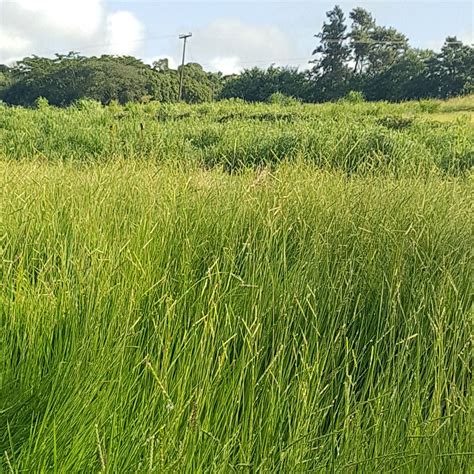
[181,78]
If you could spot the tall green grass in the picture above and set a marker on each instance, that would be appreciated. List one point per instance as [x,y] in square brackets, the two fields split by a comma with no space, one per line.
[168,318]
[355,138]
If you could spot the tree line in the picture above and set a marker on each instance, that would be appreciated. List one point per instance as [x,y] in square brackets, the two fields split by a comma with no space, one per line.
[361,58]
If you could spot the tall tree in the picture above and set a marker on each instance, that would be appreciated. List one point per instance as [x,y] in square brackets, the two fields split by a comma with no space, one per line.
[363,25]
[452,70]
[374,48]
[407,78]
[386,46]
[5,79]
[332,56]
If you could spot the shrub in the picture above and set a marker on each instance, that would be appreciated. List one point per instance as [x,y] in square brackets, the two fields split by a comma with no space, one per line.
[41,103]
[354,97]
[282,99]
[88,104]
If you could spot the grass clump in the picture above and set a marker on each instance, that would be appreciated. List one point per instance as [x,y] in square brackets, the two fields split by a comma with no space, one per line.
[281,99]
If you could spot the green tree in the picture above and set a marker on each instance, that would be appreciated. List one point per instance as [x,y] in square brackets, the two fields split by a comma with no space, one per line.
[452,70]
[407,78]
[5,79]
[68,78]
[199,85]
[257,85]
[124,79]
[161,65]
[374,47]
[387,45]
[164,82]
[330,70]
[363,25]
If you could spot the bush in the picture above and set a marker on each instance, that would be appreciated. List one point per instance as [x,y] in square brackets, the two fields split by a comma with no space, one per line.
[41,103]
[88,104]
[354,97]
[282,99]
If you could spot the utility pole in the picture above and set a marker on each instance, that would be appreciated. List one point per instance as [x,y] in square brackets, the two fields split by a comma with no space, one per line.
[181,78]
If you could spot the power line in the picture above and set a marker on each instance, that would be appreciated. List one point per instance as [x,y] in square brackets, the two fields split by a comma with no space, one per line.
[103,45]
[167,36]
[375,42]
[256,61]
[259,61]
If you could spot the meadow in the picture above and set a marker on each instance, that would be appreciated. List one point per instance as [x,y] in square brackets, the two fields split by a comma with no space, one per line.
[237,288]
[427,136]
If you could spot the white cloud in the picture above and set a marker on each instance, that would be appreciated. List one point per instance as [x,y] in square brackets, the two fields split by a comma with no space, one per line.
[226,65]
[230,45]
[44,27]
[12,43]
[76,19]
[124,33]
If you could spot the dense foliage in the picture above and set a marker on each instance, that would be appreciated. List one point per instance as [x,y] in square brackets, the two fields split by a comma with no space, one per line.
[66,79]
[374,60]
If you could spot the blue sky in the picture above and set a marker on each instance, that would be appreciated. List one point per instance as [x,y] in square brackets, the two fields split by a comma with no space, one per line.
[226,35]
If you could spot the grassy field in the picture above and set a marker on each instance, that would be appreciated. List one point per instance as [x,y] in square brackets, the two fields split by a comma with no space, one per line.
[361,138]
[234,288]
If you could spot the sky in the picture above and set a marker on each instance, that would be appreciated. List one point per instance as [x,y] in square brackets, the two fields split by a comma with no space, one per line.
[227,35]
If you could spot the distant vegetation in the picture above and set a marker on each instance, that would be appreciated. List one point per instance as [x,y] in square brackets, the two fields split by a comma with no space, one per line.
[351,135]
[374,60]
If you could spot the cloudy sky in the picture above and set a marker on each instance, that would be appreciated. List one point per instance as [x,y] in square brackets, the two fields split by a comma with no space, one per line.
[227,35]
